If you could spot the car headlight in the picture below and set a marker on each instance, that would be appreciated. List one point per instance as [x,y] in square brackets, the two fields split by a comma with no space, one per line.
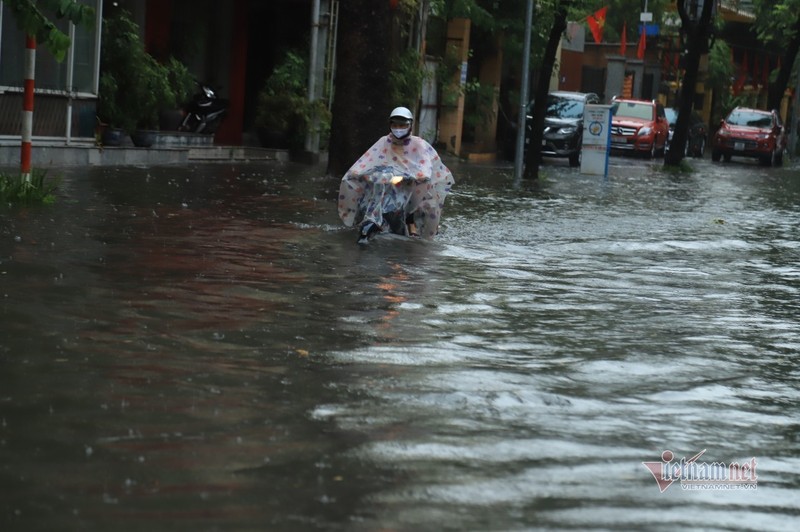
[644,131]
[569,130]
[763,136]
[722,132]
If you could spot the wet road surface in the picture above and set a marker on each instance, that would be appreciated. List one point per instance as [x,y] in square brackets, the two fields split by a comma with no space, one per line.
[208,349]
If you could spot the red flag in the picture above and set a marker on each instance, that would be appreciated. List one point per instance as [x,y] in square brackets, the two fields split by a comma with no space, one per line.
[642,44]
[623,45]
[597,22]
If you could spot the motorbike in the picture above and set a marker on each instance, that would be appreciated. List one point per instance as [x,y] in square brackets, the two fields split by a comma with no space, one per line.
[385,204]
[205,112]
[395,188]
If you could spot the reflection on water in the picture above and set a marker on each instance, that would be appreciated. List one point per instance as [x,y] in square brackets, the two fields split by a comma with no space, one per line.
[206,348]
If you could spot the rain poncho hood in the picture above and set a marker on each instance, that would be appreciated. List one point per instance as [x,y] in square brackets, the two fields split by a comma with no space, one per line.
[367,194]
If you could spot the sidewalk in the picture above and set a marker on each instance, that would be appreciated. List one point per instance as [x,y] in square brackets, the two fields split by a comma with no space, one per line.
[54,153]
[170,148]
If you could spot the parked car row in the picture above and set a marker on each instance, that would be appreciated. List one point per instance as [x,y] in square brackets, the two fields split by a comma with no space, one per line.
[645,127]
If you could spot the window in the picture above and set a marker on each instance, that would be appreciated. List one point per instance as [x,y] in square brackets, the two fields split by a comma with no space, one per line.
[51,75]
[639,110]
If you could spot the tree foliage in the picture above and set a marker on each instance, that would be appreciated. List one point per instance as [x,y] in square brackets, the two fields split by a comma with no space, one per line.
[778,23]
[32,19]
[776,20]
[621,12]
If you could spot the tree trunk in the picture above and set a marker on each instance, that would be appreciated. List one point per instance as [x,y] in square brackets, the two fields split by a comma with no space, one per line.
[697,33]
[776,90]
[361,92]
[534,156]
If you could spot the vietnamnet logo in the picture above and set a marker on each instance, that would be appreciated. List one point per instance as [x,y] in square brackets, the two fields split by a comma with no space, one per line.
[696,475]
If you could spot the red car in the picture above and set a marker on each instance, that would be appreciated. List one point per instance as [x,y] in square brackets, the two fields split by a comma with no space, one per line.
[638,126]
[750,133]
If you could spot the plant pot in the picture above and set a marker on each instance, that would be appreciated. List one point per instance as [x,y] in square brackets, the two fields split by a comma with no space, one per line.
[170,120]
[112,136]
[143,138]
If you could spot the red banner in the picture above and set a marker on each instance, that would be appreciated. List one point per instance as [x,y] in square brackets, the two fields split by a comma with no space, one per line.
[597,22]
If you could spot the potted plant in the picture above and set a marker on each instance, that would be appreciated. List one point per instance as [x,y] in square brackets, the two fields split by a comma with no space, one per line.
[183,86]
[134,87]
[114,122]
[151,93]
[284,114]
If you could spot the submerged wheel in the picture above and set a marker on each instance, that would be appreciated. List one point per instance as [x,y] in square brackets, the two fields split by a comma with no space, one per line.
[715,155]
[701,149]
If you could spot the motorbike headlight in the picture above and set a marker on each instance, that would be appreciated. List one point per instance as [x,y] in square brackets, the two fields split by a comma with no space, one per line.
[644,131]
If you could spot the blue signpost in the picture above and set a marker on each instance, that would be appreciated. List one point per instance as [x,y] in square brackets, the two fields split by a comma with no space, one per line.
[596,139]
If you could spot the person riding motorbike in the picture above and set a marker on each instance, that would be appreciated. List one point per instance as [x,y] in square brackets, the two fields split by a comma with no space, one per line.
[399,184]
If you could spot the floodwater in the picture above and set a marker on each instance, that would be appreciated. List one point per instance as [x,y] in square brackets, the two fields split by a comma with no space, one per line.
[206,348]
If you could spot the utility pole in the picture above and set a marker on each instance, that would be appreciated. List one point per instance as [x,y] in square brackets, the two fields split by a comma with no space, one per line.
[523,96]
[792,148]
[312,135]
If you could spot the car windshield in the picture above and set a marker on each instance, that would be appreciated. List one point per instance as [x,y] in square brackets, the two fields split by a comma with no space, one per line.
[739,117]
[643,111]
[560,107]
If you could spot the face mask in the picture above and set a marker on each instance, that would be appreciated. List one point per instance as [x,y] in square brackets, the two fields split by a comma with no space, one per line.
[401,132]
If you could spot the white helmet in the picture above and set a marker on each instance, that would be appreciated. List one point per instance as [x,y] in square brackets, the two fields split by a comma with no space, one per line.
[401,112]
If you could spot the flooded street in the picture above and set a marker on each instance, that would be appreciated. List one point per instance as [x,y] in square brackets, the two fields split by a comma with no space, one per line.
[207,348]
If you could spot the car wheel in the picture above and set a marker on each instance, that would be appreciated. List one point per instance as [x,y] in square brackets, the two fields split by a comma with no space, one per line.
[701,150]
[575,159]
[727,157]
[766,160]
[715,155]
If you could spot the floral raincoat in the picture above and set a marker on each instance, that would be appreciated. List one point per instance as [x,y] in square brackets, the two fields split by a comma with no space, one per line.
[367,192]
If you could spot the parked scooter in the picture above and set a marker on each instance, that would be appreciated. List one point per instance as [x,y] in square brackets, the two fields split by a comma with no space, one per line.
[205,112]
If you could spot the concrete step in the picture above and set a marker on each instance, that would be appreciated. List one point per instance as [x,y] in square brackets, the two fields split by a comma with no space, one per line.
[169,148]
[236,153]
